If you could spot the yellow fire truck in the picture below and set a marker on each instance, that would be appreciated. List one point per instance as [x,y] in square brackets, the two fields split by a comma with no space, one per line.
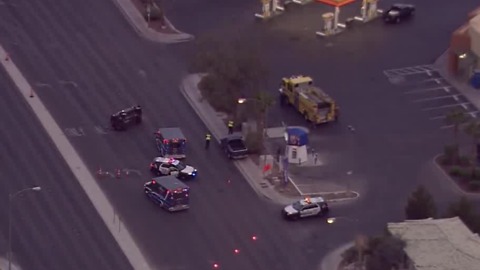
[314,104]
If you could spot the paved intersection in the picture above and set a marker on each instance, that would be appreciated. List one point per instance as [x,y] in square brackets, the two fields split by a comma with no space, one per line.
[427,91]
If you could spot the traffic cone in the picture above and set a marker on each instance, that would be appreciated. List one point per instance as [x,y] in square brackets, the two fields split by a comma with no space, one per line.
[99,172]
[118,173]
[7,57]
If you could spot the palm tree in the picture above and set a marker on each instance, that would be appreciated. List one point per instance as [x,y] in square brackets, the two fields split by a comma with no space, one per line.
[473,130]
[456,118]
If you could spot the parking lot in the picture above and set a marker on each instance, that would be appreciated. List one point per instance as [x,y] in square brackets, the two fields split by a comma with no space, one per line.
[434,97]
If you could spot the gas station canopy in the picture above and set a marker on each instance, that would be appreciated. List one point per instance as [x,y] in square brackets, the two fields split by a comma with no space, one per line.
[336,3]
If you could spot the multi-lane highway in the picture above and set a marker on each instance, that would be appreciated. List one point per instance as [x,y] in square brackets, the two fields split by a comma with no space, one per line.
[57,227]
[85,63]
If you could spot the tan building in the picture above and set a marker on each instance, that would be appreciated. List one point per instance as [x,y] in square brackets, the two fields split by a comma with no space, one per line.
[464,52]
[438,244]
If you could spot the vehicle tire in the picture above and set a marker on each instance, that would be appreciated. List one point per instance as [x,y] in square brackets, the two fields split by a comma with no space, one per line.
[229,156]
[283,100]
[295,217]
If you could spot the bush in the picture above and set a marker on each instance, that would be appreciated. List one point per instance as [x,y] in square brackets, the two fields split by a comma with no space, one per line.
[465,173]
[474,185]
[455,171]
[450,153]
[464,161]
[213,90]
[253,143]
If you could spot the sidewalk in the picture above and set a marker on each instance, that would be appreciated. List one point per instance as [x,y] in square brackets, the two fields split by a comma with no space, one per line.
[250,170]
[469,92]
[137,21]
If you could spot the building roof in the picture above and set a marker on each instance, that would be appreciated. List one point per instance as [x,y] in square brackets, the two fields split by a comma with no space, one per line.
[439,244]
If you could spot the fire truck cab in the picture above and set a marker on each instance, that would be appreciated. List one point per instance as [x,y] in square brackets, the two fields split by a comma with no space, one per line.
[313,103]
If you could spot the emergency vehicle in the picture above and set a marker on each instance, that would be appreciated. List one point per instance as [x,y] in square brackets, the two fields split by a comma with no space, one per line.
[170,166]
[312,102]
[168,192]
[307,207]
[171,142]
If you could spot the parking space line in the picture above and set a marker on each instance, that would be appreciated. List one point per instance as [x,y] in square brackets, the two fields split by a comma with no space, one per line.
[445,106]
[436,98]
[409,70]
[437,117]
[428,89]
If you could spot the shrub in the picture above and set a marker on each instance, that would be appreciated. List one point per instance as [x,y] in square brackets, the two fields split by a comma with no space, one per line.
[455,171]
[253,143]
[465,173]
[449,154]
[474,185]
[213,90]
[464,161]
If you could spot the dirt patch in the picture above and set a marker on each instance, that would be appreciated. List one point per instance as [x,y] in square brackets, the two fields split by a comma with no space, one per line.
[157,21]
[286,189]
[461,174]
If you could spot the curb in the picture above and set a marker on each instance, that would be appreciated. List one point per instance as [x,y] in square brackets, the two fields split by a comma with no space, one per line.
[136,20]
[452,182]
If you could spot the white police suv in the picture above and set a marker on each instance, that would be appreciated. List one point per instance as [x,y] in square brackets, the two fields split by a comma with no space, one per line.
[307,207]
[169,166]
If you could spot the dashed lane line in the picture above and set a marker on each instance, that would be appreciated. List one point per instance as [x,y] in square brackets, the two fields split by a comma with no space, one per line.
[78,167]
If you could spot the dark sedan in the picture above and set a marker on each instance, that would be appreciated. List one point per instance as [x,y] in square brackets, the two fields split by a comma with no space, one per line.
[398,13]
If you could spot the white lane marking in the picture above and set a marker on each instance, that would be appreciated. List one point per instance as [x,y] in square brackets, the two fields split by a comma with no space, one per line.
[68,83]
[445,106]
[78,167]
[435,98]
[100,130]
[445,88]
[409,70]
[74,132]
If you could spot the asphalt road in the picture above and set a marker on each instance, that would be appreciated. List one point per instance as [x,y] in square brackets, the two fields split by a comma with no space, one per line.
[57,227]
[395,139]
[86,63]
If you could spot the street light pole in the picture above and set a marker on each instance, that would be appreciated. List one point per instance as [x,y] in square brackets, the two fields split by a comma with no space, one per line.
[11,197]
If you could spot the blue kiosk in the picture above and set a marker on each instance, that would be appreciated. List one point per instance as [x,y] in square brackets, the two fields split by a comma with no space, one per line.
[296,148]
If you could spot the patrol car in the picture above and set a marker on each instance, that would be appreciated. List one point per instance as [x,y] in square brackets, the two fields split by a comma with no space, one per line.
[307,207]
[169,166]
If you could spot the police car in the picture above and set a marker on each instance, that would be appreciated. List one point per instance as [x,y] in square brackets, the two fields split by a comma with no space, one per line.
[307,207]
[169,166]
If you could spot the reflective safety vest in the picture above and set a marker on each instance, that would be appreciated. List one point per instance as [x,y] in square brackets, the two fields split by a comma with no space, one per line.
[230,123]
[208,137]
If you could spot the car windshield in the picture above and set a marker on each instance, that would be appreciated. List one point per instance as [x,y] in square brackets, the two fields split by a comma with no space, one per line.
[179,165]
[297,206]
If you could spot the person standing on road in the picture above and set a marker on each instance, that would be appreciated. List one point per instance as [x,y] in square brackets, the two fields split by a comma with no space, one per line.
[230,127]
[208,137]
